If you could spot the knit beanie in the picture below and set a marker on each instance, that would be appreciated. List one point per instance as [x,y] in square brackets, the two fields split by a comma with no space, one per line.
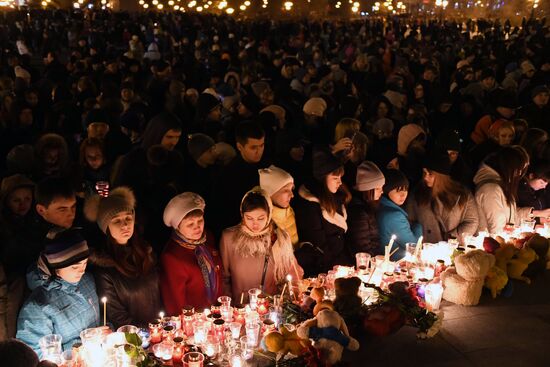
[439,163]
[539,89]
[394,179]
[406,135]
[103,210]
[368,177]
[315,106]
[273,178]
[198,144]
[180,206]
[65,249]
[324,163]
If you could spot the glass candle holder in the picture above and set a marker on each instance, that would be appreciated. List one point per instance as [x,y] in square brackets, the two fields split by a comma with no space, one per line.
[215,307]
[193,359]
[211,347]
[188,309]
[362,261]
[51,348]
[164,350]
[235,328]
[268,326]
[187,325]
[253,297]
[200,331]
[262,304]
[225,300]
[236,360]
[219,329]
[130,329]
[433,293]
[247,350]
[155,331]
[252,332]
[175,321]
[179,348]
[387,279]
[421,287]
[227,313]
[168,332]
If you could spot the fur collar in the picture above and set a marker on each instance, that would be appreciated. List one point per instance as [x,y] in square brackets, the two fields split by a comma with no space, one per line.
[101,259]
[337,219]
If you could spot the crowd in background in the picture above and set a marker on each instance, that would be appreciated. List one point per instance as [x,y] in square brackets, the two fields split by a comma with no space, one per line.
[237,152]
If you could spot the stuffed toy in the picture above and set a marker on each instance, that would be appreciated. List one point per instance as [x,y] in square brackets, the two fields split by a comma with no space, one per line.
[503,255]
[540,245]
[347,302]
[518,265]
[318,294]
[496,280]
[384,320]
[286,341]
[330,335]
[463,283]
[490,244]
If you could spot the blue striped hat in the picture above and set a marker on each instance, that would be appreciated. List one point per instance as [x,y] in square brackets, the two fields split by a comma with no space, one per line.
[67,248]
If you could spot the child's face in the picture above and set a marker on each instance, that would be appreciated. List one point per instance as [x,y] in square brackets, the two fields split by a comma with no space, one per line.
[398,197]
[94,157]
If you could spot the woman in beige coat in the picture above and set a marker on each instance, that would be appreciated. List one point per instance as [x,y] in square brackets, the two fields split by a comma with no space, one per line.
[444,207]
[256,253]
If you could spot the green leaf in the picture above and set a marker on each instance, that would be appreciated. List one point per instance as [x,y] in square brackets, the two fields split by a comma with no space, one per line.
[131,350]
[133,339]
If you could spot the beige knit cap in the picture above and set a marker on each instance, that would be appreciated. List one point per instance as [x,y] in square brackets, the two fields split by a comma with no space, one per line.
[103,210]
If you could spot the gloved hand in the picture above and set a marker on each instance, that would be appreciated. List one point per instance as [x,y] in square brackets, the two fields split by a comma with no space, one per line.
[330,333]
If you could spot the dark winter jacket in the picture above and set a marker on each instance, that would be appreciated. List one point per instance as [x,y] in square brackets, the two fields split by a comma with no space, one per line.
[132,301]
[362,234]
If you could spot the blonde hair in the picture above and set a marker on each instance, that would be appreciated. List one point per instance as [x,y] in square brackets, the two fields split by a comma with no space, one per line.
[345,127]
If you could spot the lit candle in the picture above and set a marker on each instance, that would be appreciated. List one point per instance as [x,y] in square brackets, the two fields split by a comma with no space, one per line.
[432,294]
[237,361]
[418,248]
[388,248]
[104,300]
[161,316]
[179,347]
[289,281]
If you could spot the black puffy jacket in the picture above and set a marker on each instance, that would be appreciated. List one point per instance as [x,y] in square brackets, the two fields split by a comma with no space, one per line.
[362,234]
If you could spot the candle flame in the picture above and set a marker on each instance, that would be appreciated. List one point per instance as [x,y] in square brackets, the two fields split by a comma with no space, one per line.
[289,277]
[104,299]
[161,314]
[393,237]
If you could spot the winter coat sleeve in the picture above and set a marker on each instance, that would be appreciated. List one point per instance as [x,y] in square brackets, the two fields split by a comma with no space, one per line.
[3,305]
[493,210]
[309,221]
[361,236]
[117,313]
[394,222]
[226,262]
[32,324]
[470,219]
[172,284]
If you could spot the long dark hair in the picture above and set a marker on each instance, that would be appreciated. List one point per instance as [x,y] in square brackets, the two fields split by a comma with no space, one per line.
[511,164]
[133,259]
[329,201]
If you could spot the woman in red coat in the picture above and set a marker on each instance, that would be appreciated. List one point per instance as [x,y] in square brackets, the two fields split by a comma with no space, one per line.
[190,264]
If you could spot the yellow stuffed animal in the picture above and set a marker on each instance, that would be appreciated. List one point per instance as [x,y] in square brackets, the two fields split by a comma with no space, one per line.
[496,280]
[503,255]
[286,341]
[518,265]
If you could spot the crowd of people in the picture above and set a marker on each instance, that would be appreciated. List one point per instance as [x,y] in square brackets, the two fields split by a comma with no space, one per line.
[165,159]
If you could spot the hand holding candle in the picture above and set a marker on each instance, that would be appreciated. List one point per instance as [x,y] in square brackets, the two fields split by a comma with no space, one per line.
[104,300]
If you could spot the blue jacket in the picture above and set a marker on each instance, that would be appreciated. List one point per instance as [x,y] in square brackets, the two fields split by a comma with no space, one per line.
[59,307]
[392,219]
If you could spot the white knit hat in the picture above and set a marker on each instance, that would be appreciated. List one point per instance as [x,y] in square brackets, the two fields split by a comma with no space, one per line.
[180,206]
[315,106]
[368,177]
[273,178]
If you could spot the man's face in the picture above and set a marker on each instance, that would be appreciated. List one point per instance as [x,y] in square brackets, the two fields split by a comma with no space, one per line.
[253,150]
[488,83]
[60,212]
[98,130]
[541,99]
[171,139]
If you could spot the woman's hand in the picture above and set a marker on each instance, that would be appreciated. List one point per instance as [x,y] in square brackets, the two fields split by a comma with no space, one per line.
[343,144]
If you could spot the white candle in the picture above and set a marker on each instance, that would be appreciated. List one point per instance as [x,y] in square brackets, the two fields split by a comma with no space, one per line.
[289,280]
[161,316]
[388,248]
[418,248]
[104,300]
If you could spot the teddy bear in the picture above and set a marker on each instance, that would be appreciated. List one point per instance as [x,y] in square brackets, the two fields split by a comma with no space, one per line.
[329,333]
[520,263]
[286,341]
[540,245]
[496,280]
[463,283]
[503,255]
[347,302]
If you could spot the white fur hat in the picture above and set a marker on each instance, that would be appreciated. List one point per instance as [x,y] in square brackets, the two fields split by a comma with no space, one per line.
[273,178]
[180,206]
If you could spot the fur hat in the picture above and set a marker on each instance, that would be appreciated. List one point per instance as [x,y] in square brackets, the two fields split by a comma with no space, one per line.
[278,111]
[539,89]
[180,206]
[405,137]
[12,183]
[273,178]
[102,210]
[198,144]
[368,177]
[315,106]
